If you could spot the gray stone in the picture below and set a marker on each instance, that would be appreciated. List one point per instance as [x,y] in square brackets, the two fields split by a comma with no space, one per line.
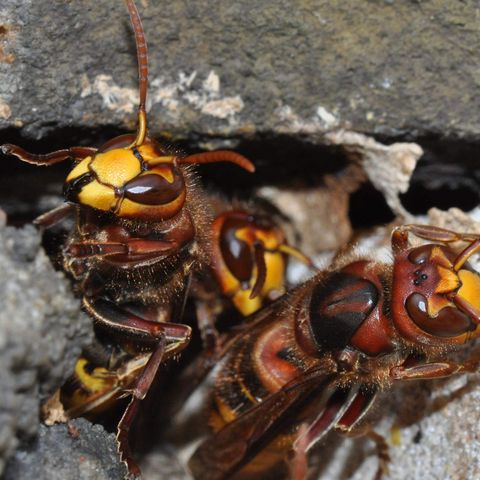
[78,450]
[41,333]
[244,69]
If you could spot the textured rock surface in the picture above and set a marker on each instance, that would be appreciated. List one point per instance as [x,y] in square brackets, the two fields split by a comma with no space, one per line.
[41,333]
[243,68]
[78,450]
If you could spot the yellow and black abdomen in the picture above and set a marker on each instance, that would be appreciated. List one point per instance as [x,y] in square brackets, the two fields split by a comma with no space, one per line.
[254,369]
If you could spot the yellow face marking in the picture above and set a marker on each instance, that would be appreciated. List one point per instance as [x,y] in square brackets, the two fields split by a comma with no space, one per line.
[244,304]
[470,289]
[165,171]
[293,252]
[79,169]
[437,303]
[275,273]
[273,281]
[269,238]
[227,281]
[246,235]
[151,155]
[97,196]
[438,256]
[448,282]
[116,167]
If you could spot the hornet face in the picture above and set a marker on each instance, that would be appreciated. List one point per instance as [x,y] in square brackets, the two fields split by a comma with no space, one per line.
[140,182]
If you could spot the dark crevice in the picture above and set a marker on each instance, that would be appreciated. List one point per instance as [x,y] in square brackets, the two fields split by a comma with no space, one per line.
[368,208]
[419,199]
[279,161]
[447,175]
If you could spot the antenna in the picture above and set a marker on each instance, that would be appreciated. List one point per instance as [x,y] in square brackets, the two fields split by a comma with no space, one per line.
[142,58]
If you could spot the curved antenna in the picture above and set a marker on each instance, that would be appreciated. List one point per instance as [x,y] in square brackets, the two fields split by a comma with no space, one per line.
[219,156]
[142,59]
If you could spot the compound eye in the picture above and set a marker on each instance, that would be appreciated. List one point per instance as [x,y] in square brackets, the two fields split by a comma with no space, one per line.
[154,189]
[236,252]
[449,322]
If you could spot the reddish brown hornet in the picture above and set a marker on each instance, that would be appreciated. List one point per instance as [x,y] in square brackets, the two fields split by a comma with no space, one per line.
[314,360]
[139,233]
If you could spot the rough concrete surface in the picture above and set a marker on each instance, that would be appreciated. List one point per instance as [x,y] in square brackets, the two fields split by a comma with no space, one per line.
[244,68]
[41,333]
[77,450]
